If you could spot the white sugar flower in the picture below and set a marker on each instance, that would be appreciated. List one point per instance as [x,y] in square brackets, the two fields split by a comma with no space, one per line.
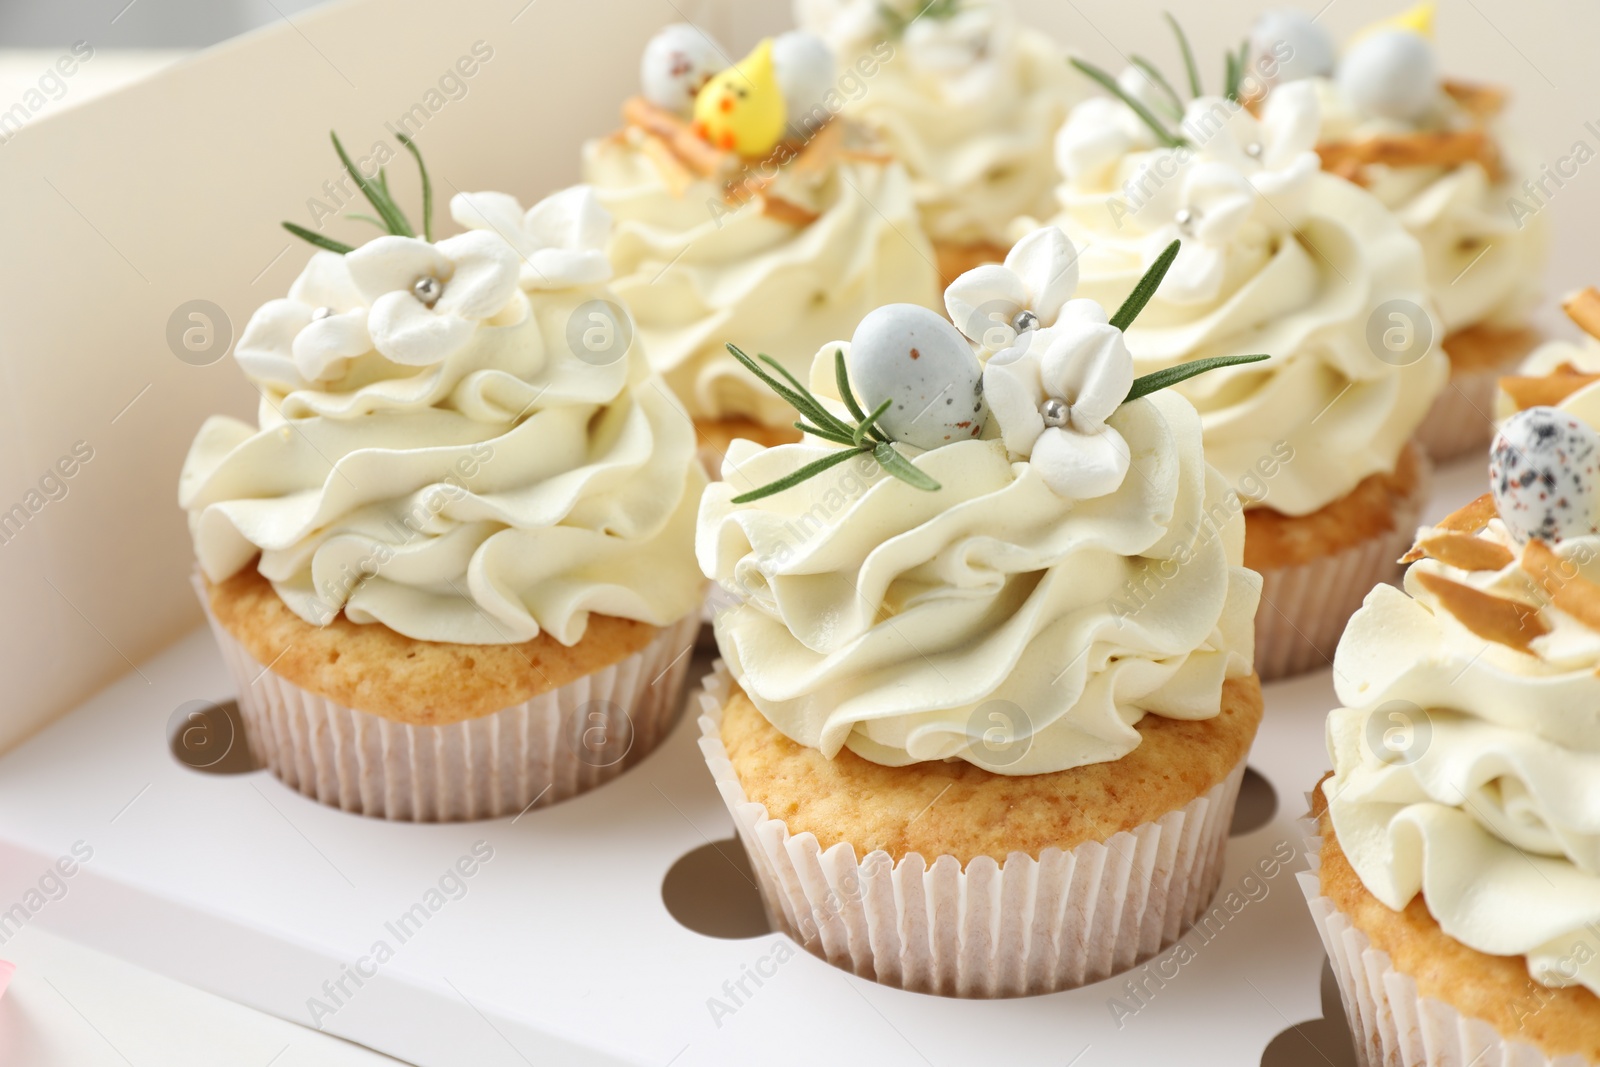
[310,335]
[1097,135]
[1052,399]
[427,299]
[561,240]
[995,303]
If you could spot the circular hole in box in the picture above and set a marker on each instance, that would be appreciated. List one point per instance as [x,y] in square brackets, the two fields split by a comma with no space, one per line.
[1258,803]
[208,736]
[1325,1040]
[712,891]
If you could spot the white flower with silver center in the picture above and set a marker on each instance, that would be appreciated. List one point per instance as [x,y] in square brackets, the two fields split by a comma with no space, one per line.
[1052,398]
[311,335]
[427,299]
[995,304]
[561,240]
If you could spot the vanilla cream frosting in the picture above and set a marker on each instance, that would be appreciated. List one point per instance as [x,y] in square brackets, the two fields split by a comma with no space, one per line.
[994,620]
[1485,264]
[968,101]
[1278,257]
[477,470]
[1497,820]
[698,272]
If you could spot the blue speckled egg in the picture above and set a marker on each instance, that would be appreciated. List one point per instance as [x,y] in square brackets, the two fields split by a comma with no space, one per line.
[908,354]
[676,63]
[1390,74]
[1542,472]
[805,68]
[1297,47]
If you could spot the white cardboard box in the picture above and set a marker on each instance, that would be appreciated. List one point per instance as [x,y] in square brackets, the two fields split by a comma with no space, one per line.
[119,212]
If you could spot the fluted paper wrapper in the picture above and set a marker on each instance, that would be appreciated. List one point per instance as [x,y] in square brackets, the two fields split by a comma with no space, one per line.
[1028,926]
[551,747]
[1393,1025]
[1304,608]
[1462,418]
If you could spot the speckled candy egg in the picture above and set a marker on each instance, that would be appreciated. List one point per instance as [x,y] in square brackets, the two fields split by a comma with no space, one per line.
[908,354]
[805,68]
[1300,48]
[677,62]
[1390,74]
[1542,472]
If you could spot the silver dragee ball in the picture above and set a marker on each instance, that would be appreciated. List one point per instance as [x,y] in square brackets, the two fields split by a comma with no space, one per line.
[1390,74]
[804,67]
[912,356]
[1300,47]
[676,63]
[1542,472]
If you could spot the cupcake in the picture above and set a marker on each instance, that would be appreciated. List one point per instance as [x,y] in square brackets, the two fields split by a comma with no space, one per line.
[1434,150]
[1279,256]
[987,695]
[966,98]
[1455,848]
[451,568]
[1556,369]
[745,207]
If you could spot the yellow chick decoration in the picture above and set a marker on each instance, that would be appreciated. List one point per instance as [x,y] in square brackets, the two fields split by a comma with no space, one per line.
[1418,20]
[742,109]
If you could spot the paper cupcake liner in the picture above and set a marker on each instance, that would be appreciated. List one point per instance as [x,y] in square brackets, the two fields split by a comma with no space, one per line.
[1304,608]
[1393,1025]
[1462,418]
[546,749]
[1020,928]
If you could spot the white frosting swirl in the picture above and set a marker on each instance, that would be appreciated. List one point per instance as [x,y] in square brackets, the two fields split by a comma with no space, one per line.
[968,101]
[1493,813]
[1485,265]
[456,472]
[698,273]
[910,625]
[1278,257]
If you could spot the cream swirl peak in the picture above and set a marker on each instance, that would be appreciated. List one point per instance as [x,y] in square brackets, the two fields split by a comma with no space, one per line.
[966,98]
[440,450]
[1467,753]
[973,603]
[1279,256]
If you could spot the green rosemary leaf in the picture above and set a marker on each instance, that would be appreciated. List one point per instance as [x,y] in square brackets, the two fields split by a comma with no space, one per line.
[1149,383]
[870,424]
[427,187]
[804,404]
[1244,65]
[317,239]
[1188,55]
[810,470]
[1230,82]
[822,415]
[842,377]
[1159,80]
[826,435]
[359,217]
[375,194]
[1146,288]
[1109,84]
[901,467]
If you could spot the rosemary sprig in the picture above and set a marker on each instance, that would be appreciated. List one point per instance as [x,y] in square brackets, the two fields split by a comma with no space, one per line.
[1188,55]
[1146,288]
[427,186]
[862,438]
[389,217]
[1159,80]
[1238,64]
[1146,384]
[1109,84]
